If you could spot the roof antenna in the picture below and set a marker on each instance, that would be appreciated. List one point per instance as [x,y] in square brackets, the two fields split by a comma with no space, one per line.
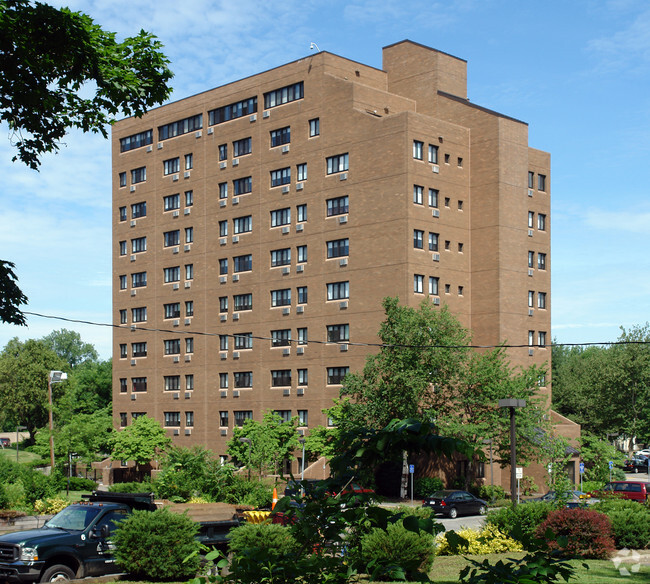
[313,46]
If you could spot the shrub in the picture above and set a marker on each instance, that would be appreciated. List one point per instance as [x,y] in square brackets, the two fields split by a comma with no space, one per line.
[630,522]
[15,493]
[589,486]
[50,506]
[82,484]
[488,540]
[154,545]
[419,512]
[491,492]
[520,522]
[131,488]
[425,486]
[528,486]
[589,533]
[275,539]
[4,498]
[394,551]
[244,492]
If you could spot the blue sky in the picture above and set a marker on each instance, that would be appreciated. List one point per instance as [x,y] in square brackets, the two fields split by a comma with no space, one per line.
[577,72]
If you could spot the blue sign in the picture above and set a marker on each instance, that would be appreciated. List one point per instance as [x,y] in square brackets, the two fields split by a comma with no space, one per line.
[411,468]
[611,465]
[582,468]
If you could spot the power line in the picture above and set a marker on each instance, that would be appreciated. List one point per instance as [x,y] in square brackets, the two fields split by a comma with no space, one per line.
[133,327]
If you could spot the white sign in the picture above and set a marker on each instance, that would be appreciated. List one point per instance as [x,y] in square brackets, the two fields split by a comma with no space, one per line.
[520,472]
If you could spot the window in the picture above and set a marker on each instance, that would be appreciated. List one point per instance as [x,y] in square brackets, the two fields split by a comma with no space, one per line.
[243,302]
[447,245]
[531,180]
[171,202]
[338,332]
[433,154]
[531,219]
[460,162]
[280,217]
[122,248]
[223,152]
[335,375]
[138,245]
[242,147]
[301,171]
[223,418]
[337,206]
[418,239]
[122,213]
[172,274]
[284,95]
[433,198]
[280,136]
[541,221]
[172,419]
[138,175]
[531,298]
[123,316]
[171,166]
[281,176]
[136,141]
[541,338]
[447,201]
[460,290]
[301,213]
[172,382]
[242,224]
[241,186]
[189,308]
[189,345]
[172,347]
[280,377]
[138,384]
[460,205]
[243,341]
[281,338]
[302,336]
[223,303]
[531,338]
[232,111]
[303,418]
[338,248]
[418,283]
[139,349]
[281,257]
[172,310]
[338,290]
[223,342]
[433,285]
[302,294]
[541,182]
[418,192]
[541,300]
[223,190]
[531,259]
[139,314]
[447,288]
[243,263]
[433,241]
[460,247]
[223,266]
[122,179]
[223,381]
[189,234]
[446,158]
[302,254]
[171,238]
[541,261]
[189,161]
[123,282]
[417,149]
[285,415]
[314,127]
[223,228]
[241,416]
[123,385]
[281,297]
[189,198]
[303,376]
[189,419]
[338,163]
[123,351]
[189,271]
[123,419]
[180,127]
[243,378]
[138,210]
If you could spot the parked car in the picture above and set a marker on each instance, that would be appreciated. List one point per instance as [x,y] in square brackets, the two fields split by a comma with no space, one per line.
[5,442]
[573,499]
[645,452]
[454,503]
[633,490]
[637,464]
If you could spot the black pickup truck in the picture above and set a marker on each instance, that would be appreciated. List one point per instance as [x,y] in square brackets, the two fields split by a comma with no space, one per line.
[75,543]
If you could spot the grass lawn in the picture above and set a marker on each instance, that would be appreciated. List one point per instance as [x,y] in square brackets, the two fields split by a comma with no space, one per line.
[23,456]
[446,570]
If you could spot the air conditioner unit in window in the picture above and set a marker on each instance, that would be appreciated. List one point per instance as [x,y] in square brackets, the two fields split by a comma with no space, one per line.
[235,238]
[530,233]
[223,203]
[301,432]
[286,271]
[435,257]
[343,219]
[188,431]
[223,241]
[235,277]
[286,351]
[530,352]
[210,130]
[343,304]
[133,361]
[133,292]
[300,227]
[223,356]
[175,177]
[186,174]
[235,200]
[175,323]
[300,350]
[176,432]
[343,347]
[223,279]
[300,268]
[174,250]
[436,301]
[132,258]
[285,190]
[285,230]
[175,214]
[133,223]
[300,391]
[530,312]
[224,431]
[531,271]
[132,189]
[187,247]
[235,355]
[223,317]
[285,148]
[198,134]
[253,118]
[188,394]
[343,262]
[235,161]
[286,311]
[176,359]
[133,397]
[149,148]
[175,396]
[300,309]
[186,212]
[436,212]
[266,114]
[531,192]
[160,145]
[175,287]
[223,164]
[188,321]
[235,315]
[300,186]
[188,284]
[435,168]
[133,327]
[235,393]
[223,394]
[286,392]
[188,358]
[344,176]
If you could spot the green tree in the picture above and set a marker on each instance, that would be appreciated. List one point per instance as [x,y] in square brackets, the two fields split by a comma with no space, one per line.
[142,441]
[60,70]
[271,441]
[24,370]
[88,390]
[596,454]
[68,345]
[11,296]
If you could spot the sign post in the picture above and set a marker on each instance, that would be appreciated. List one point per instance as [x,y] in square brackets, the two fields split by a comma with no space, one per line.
[411,472]
[582,471]
[611,465]
[520,475]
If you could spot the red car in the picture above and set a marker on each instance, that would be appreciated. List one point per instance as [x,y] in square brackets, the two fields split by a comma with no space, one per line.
[5,442]
[632,490]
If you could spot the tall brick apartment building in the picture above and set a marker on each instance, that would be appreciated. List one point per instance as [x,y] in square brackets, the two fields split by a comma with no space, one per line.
[257,227]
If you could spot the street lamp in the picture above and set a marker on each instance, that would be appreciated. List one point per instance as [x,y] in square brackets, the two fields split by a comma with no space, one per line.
[248,441]
[302,460]
[489,441]
[53,377]
[18,428]
[511,404]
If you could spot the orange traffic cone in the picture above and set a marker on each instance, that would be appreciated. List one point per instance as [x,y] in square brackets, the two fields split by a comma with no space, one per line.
[275,498]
